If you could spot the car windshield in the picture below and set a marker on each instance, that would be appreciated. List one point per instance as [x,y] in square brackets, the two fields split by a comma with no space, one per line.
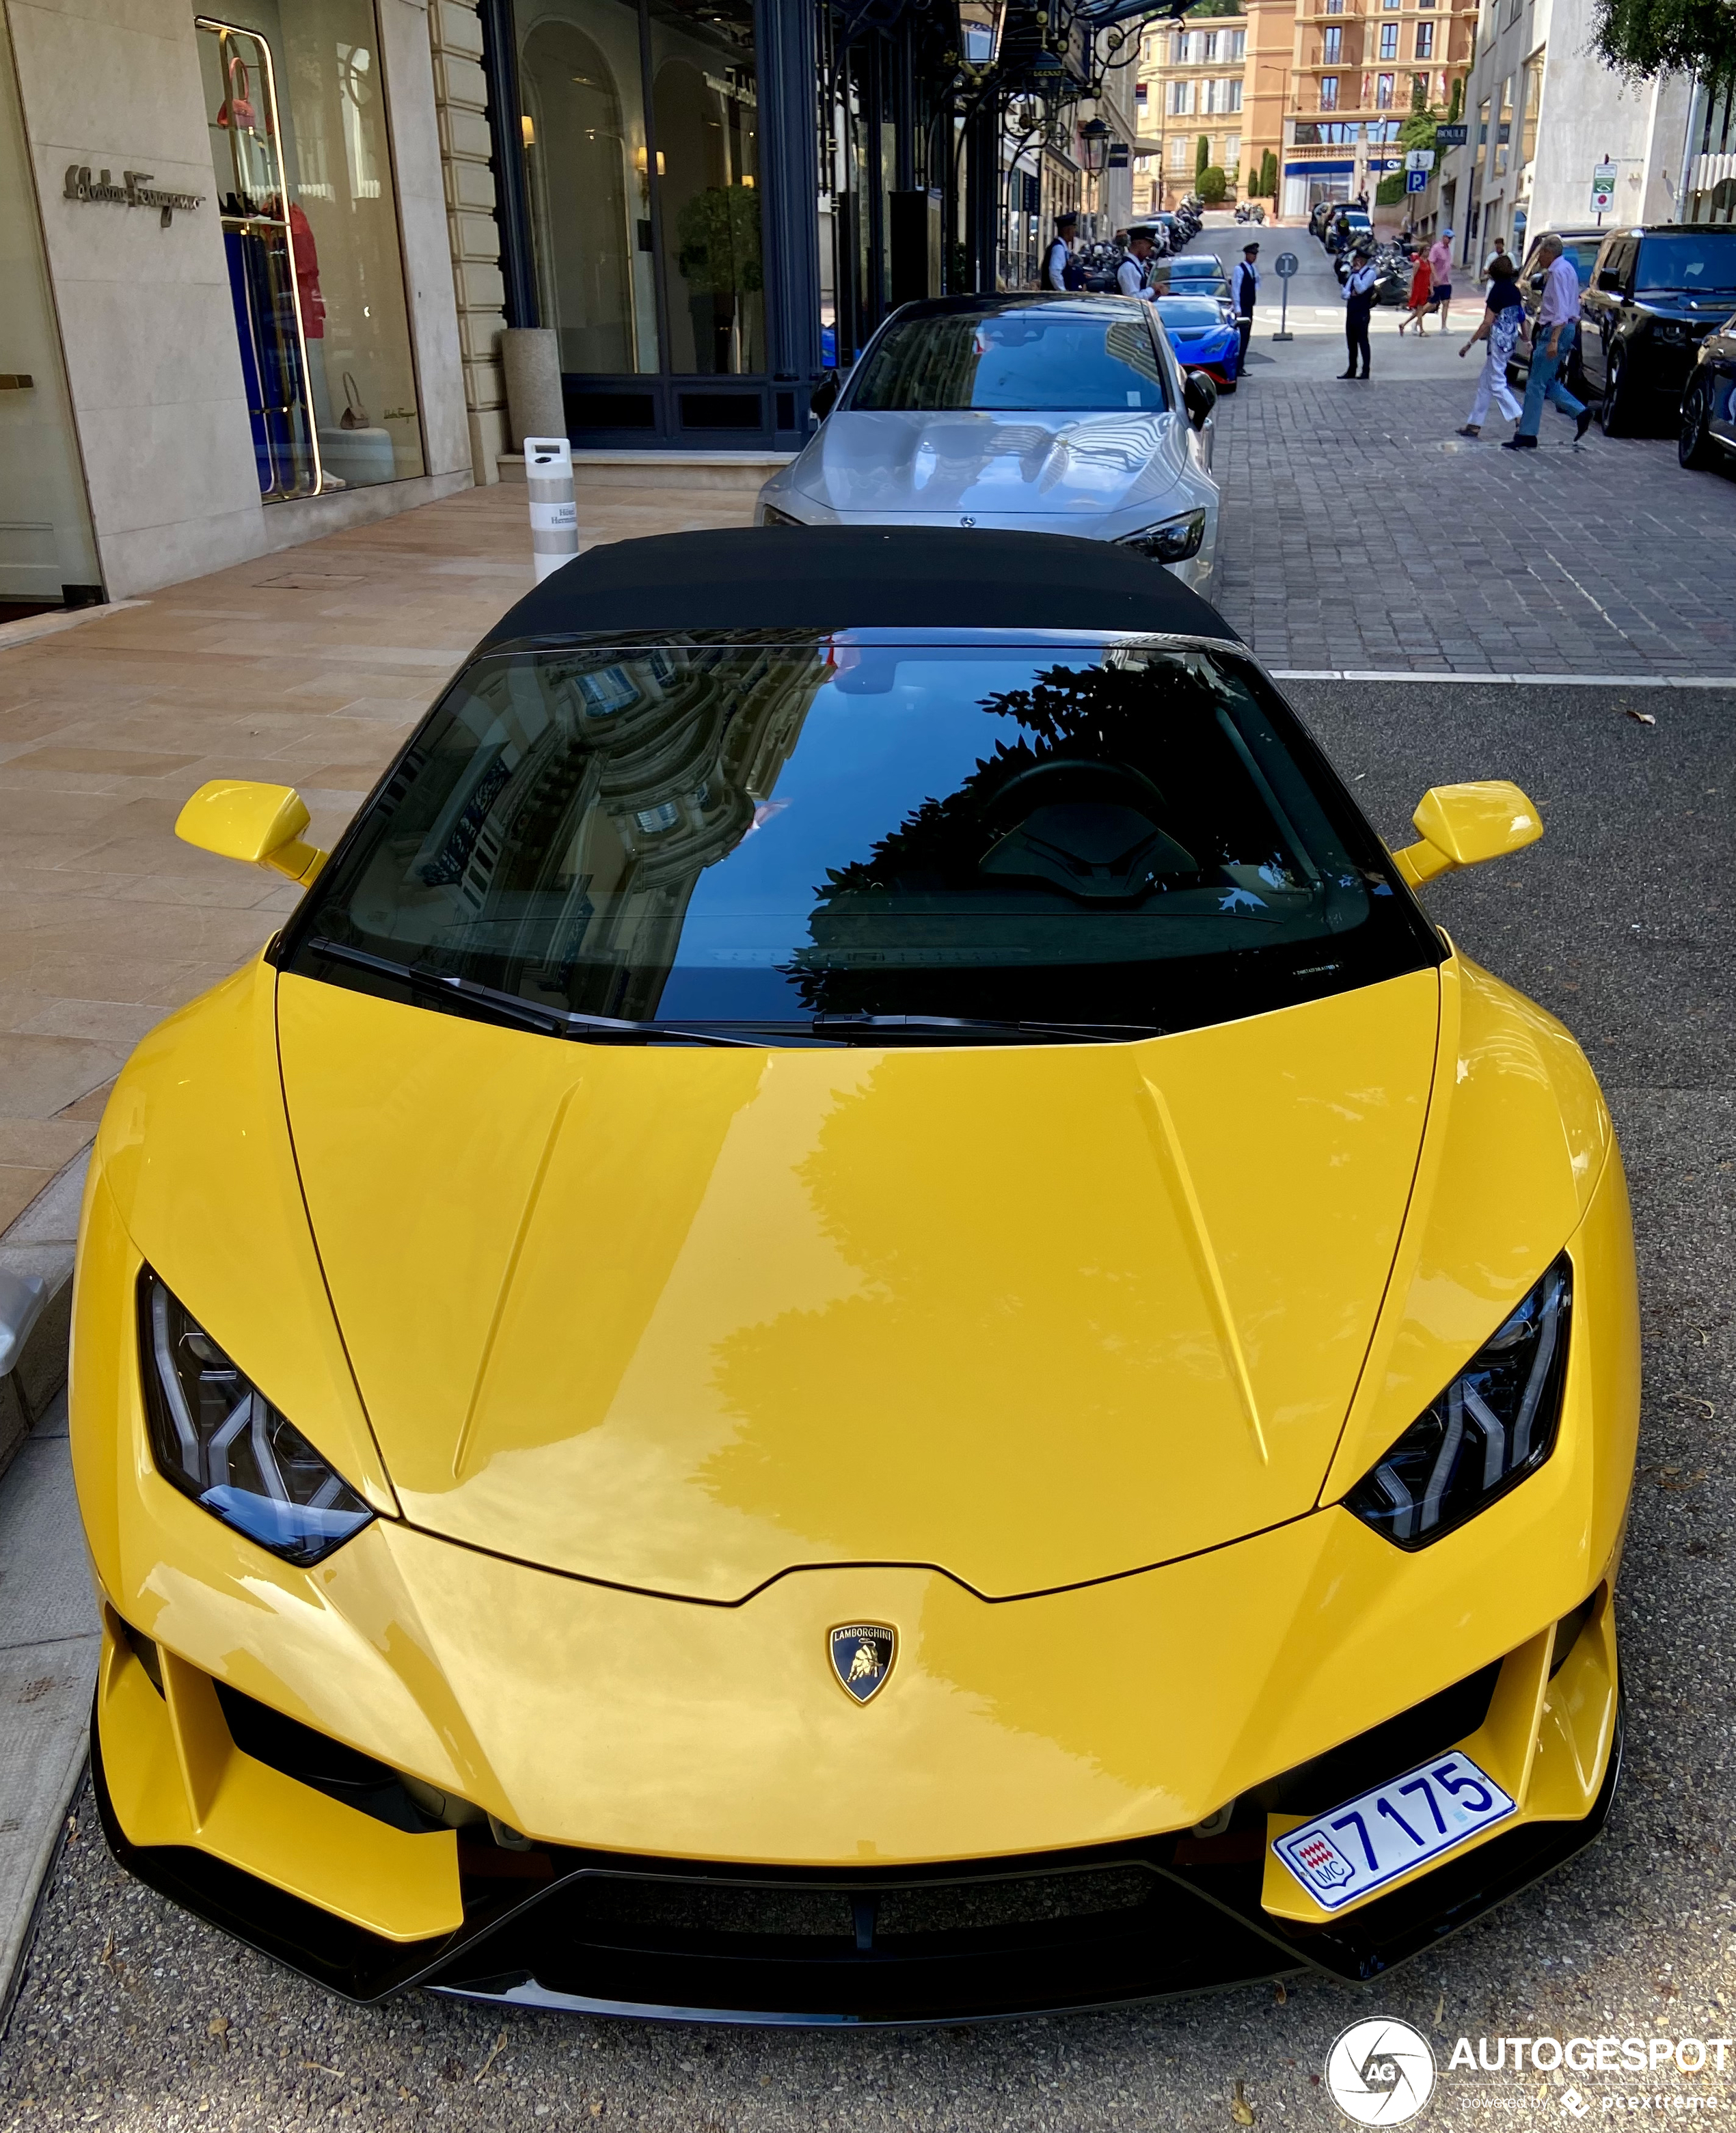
[1074,830]
[1199,268]
[1689,262]
[1043,358]
[1189,311]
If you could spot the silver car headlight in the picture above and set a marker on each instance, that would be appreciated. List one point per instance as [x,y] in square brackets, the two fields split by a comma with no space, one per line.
[220,1441]
[1493,1425]
[769,515]
[1172,541]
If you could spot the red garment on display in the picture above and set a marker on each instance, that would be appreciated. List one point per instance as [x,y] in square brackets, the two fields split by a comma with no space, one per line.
[312,304]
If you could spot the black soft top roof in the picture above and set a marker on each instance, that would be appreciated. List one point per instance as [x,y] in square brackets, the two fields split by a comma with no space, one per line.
[858,577]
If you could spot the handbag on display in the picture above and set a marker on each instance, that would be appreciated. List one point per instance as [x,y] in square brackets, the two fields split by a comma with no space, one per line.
[355,416]
[237,109]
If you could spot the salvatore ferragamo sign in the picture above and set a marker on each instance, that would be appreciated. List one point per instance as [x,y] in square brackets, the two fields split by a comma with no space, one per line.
[135,190]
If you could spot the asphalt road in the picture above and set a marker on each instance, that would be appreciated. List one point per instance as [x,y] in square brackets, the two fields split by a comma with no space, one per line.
[133,2016]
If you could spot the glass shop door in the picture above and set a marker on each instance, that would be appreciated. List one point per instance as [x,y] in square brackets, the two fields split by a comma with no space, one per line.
[47,557]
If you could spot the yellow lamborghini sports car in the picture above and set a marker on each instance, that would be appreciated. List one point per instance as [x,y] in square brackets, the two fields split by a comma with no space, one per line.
[859,1324]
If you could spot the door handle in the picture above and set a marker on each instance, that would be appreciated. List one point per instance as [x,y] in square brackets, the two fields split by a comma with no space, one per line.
[16,381]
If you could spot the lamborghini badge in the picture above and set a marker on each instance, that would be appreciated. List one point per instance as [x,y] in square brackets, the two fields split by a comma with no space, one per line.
[862,1653]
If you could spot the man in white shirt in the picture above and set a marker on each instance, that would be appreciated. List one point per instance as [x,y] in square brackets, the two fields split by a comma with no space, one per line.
[1060,251]
[1133,276]
[1552,339]
[1359,306]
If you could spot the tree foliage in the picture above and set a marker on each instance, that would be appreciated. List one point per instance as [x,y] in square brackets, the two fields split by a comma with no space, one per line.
[1640,38]
[1211,9]
[1391,189]
[1212,184]
[1201,156]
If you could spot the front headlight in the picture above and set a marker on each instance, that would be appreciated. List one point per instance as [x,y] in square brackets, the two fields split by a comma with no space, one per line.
[1493,1425]
[769,515]
[218,1439]
[1173,541]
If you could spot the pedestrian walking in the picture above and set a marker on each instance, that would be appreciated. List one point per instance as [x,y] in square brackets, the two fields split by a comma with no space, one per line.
[1552,339]
[1133,276]
[1504,321]
[1060,252]
[1422,280]
[1247,294]
[1358,305]
[1440,269]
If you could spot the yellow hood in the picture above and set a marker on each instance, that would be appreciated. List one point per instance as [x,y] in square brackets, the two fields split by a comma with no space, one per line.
[683,1319]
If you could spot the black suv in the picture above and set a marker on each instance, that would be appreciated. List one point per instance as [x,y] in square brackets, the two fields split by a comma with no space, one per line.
[1654,296]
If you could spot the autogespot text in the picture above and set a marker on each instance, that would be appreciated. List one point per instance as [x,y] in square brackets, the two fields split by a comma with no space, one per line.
[1593,2054]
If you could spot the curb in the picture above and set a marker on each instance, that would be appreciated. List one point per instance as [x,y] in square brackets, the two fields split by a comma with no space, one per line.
[36,1253]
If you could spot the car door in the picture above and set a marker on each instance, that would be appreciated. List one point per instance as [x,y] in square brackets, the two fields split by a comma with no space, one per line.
[1601,303]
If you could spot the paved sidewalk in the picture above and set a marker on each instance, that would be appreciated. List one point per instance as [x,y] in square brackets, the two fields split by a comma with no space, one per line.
[306,669]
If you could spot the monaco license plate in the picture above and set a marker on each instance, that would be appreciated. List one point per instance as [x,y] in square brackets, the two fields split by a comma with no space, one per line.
[1372,1840]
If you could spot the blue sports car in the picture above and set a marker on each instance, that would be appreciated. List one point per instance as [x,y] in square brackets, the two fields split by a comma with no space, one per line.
[1203,336]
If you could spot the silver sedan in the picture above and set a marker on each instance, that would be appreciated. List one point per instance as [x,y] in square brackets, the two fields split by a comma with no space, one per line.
[1039,414]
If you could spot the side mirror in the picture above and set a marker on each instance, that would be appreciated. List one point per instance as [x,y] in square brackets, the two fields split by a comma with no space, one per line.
[1199,397]
[824,396]
[1463,825]
[1609,280]
[260,824]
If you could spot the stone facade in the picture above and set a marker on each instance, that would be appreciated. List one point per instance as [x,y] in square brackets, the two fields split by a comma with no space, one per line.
[467,147]
[156,393]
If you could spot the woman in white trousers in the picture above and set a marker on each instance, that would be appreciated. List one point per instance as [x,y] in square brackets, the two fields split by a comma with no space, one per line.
[1500,331]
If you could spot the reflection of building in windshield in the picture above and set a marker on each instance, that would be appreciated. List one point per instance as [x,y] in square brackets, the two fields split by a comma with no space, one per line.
[574,844]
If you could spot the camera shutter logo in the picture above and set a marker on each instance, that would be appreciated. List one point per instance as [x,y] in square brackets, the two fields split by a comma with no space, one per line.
[1380,2072]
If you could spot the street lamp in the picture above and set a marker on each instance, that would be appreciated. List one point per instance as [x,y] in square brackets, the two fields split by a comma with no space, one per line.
[980,24]
[1094,139]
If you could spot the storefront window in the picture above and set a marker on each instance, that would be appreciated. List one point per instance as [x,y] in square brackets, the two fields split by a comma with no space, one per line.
[589,178]
[296,112]
[705,110]
[641,128]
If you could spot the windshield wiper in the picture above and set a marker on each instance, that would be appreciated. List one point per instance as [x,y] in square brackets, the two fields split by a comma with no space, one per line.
[526,1015]
[837,1028]
[1059,1033]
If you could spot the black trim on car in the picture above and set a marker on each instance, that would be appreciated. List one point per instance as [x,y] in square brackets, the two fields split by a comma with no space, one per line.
[680,1941]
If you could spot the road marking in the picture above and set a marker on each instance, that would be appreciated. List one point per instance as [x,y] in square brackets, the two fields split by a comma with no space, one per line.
[1511,680]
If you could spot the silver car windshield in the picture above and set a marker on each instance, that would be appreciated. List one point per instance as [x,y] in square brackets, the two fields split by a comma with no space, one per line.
[1041,359]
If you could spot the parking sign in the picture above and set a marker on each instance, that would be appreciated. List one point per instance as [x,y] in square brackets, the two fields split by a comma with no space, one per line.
[1603,188]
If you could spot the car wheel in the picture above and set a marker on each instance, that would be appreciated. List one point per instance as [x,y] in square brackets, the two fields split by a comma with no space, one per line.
[1613,414]
[1694,445]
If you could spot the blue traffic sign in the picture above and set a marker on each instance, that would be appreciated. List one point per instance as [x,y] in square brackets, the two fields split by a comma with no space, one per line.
[1416,181]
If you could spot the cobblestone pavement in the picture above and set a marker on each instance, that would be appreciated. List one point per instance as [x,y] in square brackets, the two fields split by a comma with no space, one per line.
[133,2017]
[1360,533]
